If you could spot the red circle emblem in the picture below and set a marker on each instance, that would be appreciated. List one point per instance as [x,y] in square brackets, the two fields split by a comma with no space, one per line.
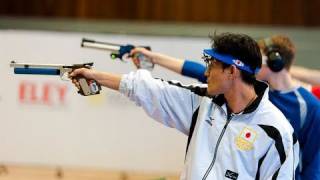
[248,135]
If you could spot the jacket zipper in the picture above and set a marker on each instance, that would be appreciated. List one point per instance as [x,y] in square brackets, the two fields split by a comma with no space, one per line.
[216,148]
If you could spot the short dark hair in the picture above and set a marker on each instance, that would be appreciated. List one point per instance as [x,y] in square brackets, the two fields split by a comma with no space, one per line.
[283,45]
[240,46]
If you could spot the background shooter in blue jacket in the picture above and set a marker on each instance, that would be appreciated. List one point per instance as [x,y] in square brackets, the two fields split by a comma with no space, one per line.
[298,105]
[239,133]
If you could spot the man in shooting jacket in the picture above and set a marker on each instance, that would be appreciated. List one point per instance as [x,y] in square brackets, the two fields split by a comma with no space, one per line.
[235,132]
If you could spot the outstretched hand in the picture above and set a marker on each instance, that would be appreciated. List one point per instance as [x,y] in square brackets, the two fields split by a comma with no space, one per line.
[81,72]
[145,52]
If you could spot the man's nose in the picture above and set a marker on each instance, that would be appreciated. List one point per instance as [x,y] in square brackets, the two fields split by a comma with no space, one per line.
[207,72]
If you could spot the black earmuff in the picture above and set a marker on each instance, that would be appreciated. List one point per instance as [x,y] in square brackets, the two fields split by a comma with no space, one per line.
[274,61]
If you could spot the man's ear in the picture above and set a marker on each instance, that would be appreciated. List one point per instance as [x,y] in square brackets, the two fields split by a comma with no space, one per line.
[234,72]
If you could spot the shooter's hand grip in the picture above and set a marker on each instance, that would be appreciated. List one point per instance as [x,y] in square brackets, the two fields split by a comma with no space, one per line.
[88,87]
[144,61]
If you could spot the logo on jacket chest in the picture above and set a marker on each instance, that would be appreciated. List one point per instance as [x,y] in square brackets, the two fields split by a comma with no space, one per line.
[245,140]
[231,175]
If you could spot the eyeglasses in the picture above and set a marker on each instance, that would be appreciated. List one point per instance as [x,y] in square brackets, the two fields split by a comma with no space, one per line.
[209,61]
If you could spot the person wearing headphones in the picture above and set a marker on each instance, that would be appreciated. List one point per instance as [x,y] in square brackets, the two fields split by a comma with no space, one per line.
[234,131]
[299,106]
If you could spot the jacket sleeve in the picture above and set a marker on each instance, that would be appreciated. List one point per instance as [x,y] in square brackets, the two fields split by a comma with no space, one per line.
[171,105]
[194,70]
[312,171]
[310,164]
[281,159]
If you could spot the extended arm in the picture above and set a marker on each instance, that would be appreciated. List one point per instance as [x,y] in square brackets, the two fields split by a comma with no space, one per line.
[169,104]
[306,75]
[108,80]
[185,67]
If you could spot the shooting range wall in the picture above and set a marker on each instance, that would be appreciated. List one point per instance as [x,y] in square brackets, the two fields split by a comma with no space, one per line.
[284,12]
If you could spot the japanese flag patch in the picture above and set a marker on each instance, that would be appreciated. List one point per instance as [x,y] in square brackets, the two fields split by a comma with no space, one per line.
[245,139]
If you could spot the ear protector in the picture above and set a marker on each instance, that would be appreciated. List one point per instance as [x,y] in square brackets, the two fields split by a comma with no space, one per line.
[274,61]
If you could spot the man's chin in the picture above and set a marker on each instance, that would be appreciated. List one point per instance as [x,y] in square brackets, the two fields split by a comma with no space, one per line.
[262,77]
[211,92]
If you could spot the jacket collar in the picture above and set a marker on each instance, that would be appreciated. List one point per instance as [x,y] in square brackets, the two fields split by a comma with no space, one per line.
[261,89]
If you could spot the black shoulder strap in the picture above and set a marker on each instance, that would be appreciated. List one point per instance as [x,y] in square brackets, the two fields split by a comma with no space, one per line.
[193,124]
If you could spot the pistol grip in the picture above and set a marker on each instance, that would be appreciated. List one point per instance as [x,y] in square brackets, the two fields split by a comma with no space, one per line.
[88,87]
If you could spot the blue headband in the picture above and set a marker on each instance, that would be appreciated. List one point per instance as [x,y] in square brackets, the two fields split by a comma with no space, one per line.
[228,59]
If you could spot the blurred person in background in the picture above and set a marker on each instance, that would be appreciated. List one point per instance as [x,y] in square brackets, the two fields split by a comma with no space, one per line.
[300,107]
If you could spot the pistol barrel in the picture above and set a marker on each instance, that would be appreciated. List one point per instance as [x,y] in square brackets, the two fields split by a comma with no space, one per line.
[38,71]
[33,65]
[100,45]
